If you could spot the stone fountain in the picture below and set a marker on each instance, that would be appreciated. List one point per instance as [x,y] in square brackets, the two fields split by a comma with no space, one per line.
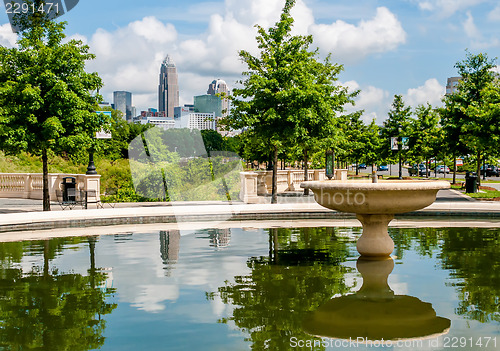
[375,204]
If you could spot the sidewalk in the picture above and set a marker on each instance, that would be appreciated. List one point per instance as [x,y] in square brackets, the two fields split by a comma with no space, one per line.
[21,214]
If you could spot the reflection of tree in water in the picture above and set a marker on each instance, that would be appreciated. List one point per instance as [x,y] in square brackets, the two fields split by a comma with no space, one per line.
[45,309]
[473,257]
[301,272]
[169,249]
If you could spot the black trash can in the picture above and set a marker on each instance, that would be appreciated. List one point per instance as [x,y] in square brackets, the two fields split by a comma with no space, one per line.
[470,183]
[69,189]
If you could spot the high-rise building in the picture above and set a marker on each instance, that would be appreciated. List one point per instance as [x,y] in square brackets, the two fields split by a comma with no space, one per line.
[452,85]
[122,101]
[168,89]
[216,87]
[196,120]
[208,104]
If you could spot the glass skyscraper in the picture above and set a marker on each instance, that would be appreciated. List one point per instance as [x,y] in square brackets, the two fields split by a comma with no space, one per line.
[219,86]
[122,101]
[168,89]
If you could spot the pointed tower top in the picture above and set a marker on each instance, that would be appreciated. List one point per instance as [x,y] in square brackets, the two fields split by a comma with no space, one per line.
[168,61]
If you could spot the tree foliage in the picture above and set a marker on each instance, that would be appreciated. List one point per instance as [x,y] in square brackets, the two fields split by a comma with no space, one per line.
[48,99]
[288,96]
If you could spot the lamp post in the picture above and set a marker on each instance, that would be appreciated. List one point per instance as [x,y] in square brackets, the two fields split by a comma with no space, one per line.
[399,151]
[91,167]
[329,163]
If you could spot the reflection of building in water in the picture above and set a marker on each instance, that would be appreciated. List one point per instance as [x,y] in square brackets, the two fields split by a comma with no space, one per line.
[169,248]
[219,237]
[123,237]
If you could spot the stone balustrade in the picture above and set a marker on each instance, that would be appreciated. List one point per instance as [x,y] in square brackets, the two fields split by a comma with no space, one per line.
[259,183]
[30,185]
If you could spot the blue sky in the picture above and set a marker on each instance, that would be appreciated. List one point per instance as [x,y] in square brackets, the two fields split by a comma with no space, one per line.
[387,47]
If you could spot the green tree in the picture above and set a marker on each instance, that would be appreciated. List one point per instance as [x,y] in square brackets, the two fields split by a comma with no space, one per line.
[47,98]
[397,125]
[354,145]
[425,134]
[371,144]
[463,114]
[288,97]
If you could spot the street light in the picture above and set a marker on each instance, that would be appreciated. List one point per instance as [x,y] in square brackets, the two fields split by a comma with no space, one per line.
[329,163]
[399,151]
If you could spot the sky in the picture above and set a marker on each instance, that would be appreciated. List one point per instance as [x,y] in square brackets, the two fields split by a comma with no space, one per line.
[387,47]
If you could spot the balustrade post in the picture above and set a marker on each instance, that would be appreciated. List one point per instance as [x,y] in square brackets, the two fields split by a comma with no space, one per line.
[248,191]
[289,177]
[28,186]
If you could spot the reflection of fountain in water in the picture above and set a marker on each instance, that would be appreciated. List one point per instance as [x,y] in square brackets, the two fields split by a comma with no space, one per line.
[375,312]
[169,249]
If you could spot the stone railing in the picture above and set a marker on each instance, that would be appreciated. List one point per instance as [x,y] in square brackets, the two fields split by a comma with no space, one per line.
[30,185]
[259,183]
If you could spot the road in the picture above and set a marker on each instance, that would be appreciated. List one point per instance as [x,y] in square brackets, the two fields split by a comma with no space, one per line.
[394,172]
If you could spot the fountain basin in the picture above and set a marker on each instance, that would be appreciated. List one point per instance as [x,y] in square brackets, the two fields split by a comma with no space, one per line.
[375,205]
[384,197]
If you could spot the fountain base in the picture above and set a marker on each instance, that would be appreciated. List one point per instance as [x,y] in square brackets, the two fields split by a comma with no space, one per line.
[375,240]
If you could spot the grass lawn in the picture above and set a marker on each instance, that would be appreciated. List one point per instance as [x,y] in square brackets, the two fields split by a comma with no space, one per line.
[486,194]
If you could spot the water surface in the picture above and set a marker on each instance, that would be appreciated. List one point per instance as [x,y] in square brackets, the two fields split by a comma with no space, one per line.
[240,289]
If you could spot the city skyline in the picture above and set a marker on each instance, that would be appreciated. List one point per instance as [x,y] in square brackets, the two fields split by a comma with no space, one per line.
[387,47]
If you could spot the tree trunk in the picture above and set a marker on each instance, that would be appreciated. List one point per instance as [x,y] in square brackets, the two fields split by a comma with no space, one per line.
[454,168]
[478,168]
[45,192]
[306,169]
[274,196]
[357,168]
[427,168]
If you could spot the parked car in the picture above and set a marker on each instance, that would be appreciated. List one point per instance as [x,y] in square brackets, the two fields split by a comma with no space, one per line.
[362,166]
[418,169]
[490,170]
[382,168]
[442,169]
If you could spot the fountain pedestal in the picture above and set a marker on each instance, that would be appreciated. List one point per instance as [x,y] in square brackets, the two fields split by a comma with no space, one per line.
[375,205]
[375,240]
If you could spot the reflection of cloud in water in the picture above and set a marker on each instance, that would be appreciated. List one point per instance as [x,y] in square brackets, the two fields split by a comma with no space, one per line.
[189,260]
[151,297]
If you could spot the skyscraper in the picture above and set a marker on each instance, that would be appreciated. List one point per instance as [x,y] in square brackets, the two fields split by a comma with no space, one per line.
[216,87]
[168,89]
[122,101]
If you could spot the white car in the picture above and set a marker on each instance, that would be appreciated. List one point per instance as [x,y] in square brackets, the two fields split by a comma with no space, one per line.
[442,169]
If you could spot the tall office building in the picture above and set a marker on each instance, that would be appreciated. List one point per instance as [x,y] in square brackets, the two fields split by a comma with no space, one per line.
[168,89]
[122,101]
[216,87]
[452,85]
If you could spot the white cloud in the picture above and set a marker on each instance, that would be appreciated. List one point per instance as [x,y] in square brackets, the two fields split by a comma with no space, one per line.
[129,57]
[153,30]
[431,92]
[446,8]
[473,33]
[494,15]
[349,42]
[374,101]
[470,27]
[7,37]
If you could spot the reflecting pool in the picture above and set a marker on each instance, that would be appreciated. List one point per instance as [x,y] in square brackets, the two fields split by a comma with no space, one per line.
[249,288]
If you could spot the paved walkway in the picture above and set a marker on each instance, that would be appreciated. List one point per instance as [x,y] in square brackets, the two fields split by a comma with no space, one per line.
[26,215]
